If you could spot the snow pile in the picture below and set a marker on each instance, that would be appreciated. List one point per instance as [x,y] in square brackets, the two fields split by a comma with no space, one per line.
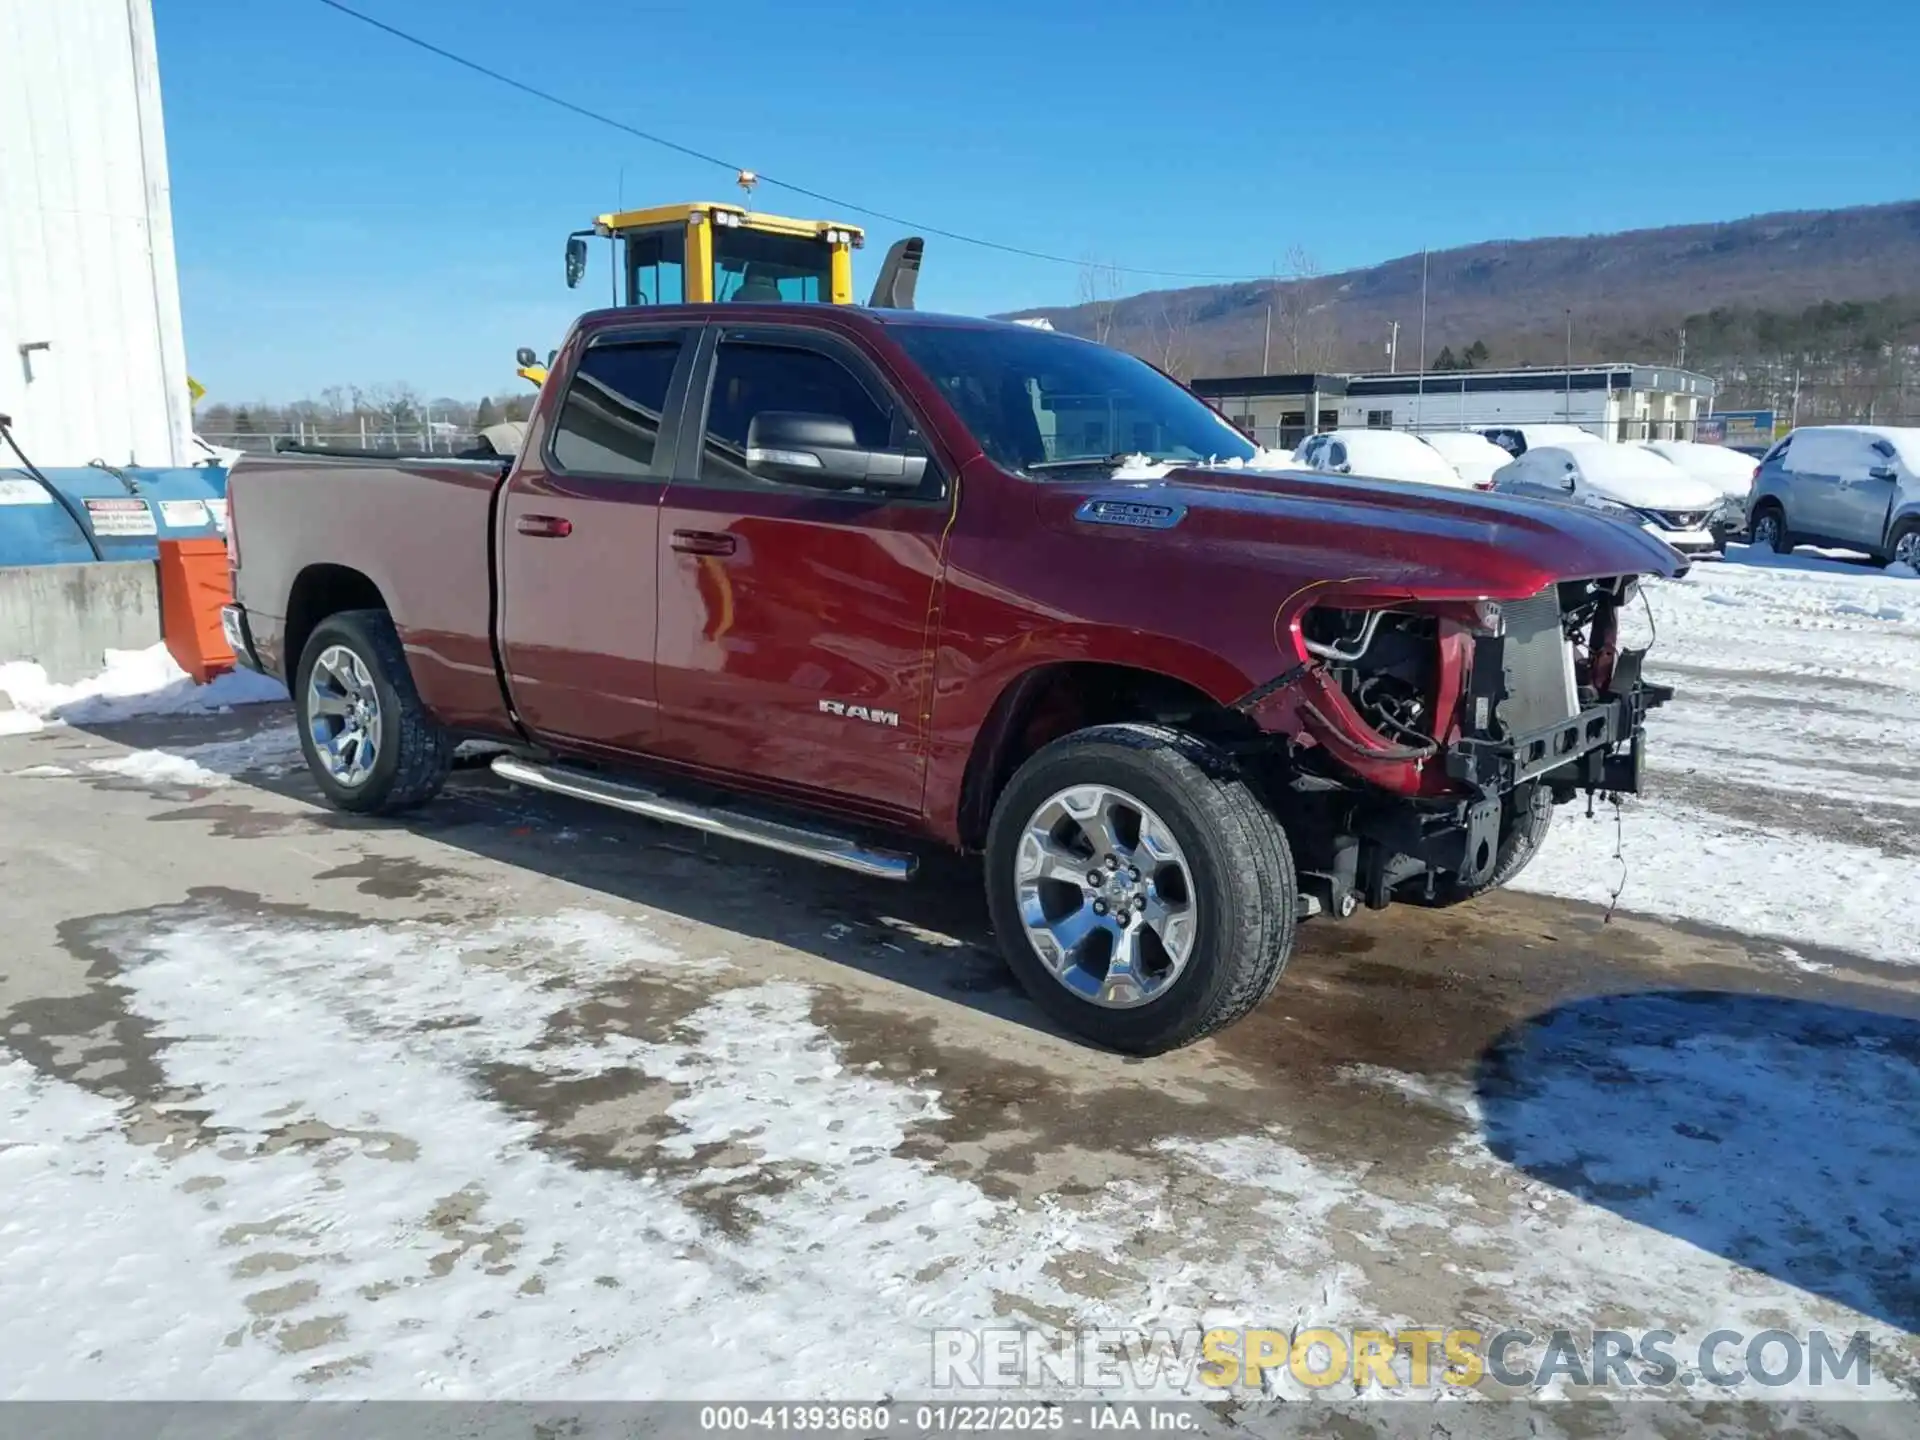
[158,768]
[134,683]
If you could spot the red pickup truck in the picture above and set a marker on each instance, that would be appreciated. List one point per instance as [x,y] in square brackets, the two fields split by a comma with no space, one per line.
[879,579]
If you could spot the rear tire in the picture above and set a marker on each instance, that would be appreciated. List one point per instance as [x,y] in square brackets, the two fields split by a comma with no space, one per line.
[1213,882]
[401,755]
[1769,530]
[1523,830]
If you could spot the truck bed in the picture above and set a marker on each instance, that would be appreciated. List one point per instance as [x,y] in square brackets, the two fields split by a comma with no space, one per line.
[399,520]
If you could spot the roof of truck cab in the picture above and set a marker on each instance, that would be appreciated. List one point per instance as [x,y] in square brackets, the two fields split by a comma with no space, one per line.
[789,309]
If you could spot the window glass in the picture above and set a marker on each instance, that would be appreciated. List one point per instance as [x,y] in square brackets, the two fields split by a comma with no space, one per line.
[611,419]
[749,378]
[1337,454]
[1032,397]
[656,268]
[749,265]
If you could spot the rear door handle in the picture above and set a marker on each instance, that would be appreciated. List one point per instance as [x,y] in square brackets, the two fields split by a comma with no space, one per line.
[703,542]
[551,527]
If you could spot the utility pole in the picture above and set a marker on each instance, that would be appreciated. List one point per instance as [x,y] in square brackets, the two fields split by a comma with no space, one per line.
[1420,390]
[1682,361]
[1569,405]
[1393,348]
[1266,345]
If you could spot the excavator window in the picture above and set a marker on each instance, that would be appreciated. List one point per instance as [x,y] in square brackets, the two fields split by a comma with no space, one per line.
[752,266]
[656,268]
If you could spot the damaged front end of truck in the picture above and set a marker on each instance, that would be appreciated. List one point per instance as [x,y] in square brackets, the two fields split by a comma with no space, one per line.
[1427,742]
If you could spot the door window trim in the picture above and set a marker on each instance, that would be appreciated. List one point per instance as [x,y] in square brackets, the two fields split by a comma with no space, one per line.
[934,489]
[672,410]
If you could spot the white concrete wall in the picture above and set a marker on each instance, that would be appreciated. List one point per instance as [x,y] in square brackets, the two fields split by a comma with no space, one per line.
[66,617]
[86,238]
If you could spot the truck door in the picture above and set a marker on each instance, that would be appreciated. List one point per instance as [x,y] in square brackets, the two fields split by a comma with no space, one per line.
[794,621]
[579,526]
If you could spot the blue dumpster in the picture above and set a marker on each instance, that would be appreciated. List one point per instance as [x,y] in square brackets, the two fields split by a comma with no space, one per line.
[128,510]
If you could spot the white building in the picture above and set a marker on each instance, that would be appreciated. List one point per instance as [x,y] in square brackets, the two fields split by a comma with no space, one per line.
[1615,402]
[92,363]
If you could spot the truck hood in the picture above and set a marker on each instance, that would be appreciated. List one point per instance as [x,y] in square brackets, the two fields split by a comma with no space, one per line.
[1423,539]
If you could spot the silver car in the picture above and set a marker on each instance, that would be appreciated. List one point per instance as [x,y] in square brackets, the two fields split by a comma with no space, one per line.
[1854,487]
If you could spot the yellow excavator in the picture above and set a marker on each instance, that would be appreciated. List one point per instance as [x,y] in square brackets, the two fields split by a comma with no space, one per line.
[705,251]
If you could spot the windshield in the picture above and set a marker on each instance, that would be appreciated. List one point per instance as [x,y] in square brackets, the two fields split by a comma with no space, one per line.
[1035,399]
[752,265]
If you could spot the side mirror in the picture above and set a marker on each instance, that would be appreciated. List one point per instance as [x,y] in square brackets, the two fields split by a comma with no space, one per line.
[524,356]
[1882,472]
[822,451]
[576,259]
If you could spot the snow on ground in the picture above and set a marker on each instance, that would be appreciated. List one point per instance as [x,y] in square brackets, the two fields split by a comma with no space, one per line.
[332,1191]
[132,683]
[1785,774]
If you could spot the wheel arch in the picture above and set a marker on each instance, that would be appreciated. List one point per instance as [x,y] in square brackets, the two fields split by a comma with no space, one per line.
[1046,701]
[321,590]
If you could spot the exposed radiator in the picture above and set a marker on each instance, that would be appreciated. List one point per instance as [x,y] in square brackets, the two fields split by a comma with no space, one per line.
[1539,666]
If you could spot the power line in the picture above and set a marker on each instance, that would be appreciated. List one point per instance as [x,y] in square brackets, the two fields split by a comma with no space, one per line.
[691,153]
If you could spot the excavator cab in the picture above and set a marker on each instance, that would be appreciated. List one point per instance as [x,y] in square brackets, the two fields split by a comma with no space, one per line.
[706,251]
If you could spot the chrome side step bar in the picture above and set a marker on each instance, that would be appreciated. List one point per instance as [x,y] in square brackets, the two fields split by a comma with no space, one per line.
[825,846]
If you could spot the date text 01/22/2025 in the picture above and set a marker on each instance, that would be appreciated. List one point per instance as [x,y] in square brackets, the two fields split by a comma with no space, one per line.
[984,1418]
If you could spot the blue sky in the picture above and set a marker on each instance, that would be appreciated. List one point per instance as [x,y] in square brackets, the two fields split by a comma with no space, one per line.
[350,210]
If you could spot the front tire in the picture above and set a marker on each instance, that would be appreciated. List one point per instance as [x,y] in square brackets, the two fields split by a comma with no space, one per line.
[1141,893]
[1769,530]
[370,744]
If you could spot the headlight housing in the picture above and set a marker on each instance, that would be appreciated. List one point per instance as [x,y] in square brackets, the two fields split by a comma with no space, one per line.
[1613,508]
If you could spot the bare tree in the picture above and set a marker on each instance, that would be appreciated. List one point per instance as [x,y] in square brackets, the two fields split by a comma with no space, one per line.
[1170,338]
[1100,294]
[1300,317]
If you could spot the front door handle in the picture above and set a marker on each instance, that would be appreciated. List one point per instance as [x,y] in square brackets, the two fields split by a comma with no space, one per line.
[703,542]
[551,527]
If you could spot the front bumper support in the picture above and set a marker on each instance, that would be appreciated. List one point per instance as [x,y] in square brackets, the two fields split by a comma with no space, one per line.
[1582,752]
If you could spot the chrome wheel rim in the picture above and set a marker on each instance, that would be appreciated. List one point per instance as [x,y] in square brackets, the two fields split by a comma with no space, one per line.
[1106,896]
[1906,550]
[1766,531]
[343,715]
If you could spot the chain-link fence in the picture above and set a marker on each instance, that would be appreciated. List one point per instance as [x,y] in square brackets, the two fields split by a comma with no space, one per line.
[425,440]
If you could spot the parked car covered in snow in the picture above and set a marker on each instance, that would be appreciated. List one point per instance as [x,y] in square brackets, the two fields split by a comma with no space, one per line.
[1853,486]
[1516,440]
[1378,455]
[1730,472]
[1473,457]
[1625,481]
